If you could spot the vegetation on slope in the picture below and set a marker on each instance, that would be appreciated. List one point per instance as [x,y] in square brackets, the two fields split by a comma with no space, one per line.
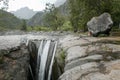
[9,21]
[72,15]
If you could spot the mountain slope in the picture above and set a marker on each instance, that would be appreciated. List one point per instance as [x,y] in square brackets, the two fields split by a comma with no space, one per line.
[9,21]
[59,2]
[63,9]
[36,20]
[24,13]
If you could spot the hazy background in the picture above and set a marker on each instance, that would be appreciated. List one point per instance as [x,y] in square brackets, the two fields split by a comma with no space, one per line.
[36,5]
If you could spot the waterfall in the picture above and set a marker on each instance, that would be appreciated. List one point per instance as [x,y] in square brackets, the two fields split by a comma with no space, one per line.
[45,59]
[50,69]
[38,57]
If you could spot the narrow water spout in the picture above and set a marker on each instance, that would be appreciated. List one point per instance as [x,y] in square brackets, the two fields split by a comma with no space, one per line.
[51,64]
[43,60]
[38,58]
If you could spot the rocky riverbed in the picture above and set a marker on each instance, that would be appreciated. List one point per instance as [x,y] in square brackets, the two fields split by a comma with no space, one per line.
[89,58]
[14,54]
[80,57]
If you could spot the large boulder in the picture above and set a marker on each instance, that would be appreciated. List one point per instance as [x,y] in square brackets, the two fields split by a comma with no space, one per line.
[101,24]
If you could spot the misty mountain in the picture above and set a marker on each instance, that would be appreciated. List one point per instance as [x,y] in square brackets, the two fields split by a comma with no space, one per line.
[9,21]
[24,13]
[63,9]
[59,2]
[36,20]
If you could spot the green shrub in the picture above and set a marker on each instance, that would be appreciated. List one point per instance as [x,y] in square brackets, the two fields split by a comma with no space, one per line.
[62,55]
[66,26]
[38,28]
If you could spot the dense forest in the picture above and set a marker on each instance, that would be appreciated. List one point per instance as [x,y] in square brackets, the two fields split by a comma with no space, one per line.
[72,15]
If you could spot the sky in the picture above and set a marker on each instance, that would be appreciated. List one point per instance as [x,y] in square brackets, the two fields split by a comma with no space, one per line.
[36,5]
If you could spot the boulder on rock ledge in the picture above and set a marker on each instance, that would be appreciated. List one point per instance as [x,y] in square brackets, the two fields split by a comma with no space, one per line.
[101,24]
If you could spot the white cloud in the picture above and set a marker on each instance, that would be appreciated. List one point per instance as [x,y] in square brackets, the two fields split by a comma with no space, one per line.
[36,5]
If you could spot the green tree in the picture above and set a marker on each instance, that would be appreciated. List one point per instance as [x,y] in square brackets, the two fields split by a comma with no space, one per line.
[4,4]
[24,26]
[52,17]
[116,12]
[77,12]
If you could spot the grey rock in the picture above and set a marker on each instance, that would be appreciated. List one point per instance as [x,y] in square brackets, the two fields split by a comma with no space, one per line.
[86,60]
[96,76]
[101,24]
[82,61]
[77,72]
[14,66]
[75,53]
[71,41]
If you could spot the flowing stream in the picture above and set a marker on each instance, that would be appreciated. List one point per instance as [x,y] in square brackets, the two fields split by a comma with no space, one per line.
[45,59]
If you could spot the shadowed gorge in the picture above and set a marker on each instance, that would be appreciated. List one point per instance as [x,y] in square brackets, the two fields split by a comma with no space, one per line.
[42,54]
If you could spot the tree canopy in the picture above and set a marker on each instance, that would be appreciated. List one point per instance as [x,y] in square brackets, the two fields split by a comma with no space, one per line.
[52,18]
[4,4]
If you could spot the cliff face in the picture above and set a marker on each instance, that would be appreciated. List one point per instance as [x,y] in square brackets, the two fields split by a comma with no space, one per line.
[14,63]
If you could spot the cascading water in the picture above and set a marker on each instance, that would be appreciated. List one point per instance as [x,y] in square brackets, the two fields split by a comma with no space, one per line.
[50,69]
[38,58]
[45,59]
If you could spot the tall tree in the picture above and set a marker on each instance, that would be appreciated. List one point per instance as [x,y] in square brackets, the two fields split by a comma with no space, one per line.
[77,8]
[52,18]
[4,4]
[24,25]
[116,12]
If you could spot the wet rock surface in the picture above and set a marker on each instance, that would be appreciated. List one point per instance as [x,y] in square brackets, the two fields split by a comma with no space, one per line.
[89,58]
